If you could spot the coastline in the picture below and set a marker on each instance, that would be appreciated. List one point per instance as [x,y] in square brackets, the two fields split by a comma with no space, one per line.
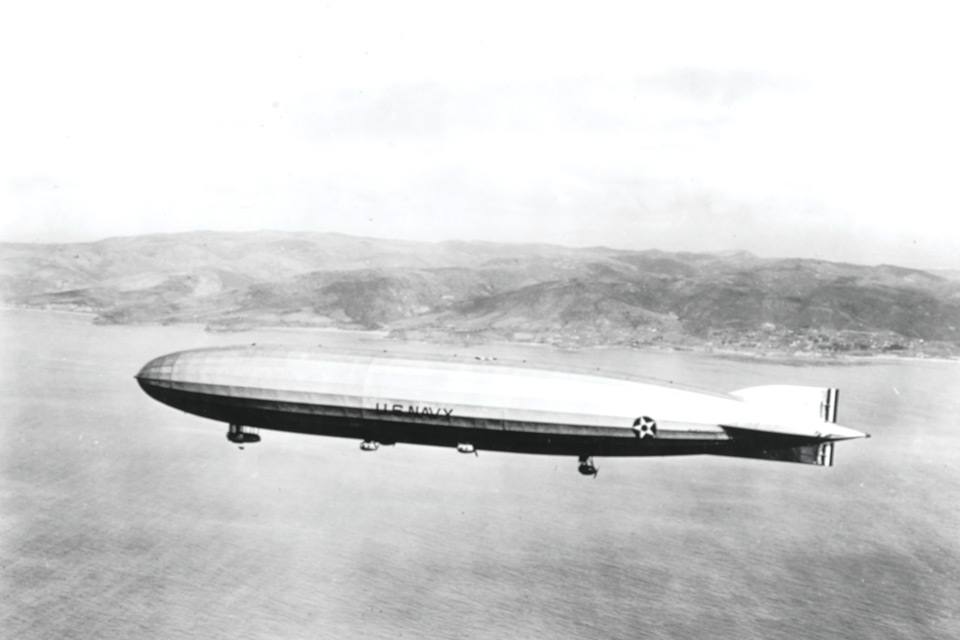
[67,312]
[478,339]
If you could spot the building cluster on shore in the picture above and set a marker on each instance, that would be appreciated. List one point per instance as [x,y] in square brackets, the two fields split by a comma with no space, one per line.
[829,342]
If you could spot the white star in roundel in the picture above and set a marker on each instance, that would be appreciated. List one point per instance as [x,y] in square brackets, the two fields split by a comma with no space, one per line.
[645,427]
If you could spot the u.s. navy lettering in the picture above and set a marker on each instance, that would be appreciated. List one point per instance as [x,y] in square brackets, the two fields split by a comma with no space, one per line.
[442,412]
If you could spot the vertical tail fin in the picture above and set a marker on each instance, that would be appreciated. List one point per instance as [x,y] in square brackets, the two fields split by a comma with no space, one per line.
[828,408]
[800,401]
[825,454]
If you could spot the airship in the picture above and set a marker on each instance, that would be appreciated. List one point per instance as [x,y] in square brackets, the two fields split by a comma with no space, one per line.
[484,404]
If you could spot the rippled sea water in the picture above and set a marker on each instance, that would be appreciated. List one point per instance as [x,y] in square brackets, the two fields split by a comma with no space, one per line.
[120,517]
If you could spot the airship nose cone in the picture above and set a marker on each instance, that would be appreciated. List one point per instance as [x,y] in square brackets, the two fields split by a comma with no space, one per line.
[159,369]
[156,376]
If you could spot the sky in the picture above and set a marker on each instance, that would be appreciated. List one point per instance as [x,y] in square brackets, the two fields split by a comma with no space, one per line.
[818,130]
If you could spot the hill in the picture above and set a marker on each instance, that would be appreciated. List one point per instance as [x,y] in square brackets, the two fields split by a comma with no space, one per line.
[479,291]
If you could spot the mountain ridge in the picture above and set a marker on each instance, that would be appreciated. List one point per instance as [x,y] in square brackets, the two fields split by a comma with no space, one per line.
[481,291]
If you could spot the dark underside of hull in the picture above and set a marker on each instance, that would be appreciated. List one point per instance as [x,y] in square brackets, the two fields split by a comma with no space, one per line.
[397,428]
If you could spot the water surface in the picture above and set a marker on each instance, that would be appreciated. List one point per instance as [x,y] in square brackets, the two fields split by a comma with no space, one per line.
[121,517]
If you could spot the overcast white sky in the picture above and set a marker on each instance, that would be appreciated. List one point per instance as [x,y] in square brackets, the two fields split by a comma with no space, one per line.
[823,130]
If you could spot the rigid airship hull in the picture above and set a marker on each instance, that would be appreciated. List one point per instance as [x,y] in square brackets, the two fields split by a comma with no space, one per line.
[472,405]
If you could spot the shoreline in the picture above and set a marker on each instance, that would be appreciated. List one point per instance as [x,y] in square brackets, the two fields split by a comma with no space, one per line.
[66,312]
[384,334]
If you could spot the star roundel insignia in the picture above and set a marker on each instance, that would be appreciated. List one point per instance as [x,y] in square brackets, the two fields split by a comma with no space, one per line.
[646,427]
